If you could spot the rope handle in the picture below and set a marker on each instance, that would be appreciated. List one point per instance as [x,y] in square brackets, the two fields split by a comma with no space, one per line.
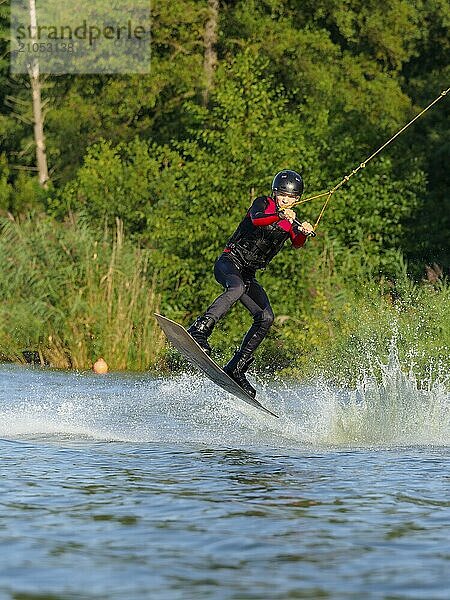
[309,233]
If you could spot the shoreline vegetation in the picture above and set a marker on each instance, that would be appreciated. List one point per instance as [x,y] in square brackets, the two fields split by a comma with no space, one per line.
[69,296]
[71,293]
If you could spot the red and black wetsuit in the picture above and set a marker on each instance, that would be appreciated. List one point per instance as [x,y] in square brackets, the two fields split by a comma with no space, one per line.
[262,234]
[258,238]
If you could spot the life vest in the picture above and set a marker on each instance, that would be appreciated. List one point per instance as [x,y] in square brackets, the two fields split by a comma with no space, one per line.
[256,245]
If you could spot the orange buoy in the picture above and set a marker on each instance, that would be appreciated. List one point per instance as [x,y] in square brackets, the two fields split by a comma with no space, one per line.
[100,366]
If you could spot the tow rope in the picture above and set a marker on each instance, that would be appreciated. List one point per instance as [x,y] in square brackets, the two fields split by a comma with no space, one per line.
[362,165]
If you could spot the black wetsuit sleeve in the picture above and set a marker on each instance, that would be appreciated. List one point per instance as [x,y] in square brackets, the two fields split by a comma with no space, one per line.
[263,212]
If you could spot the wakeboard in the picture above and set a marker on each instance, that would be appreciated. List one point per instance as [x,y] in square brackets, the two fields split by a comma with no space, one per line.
[188,347]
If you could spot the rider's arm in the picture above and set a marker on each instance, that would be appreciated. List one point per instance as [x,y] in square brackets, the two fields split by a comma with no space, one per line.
[263,212]
[298,238]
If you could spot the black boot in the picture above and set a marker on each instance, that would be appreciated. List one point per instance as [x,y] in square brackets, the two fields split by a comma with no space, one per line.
[236,369]
[200,330]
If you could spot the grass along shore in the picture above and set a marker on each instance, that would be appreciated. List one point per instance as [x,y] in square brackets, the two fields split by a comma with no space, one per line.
[71,295]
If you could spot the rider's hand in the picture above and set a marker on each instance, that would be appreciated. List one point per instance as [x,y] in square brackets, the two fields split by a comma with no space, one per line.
[306,227]
[289,214]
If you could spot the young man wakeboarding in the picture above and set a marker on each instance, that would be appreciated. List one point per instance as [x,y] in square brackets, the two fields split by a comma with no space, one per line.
[269,222]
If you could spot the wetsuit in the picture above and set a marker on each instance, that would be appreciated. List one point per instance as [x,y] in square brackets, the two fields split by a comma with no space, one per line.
[258,238]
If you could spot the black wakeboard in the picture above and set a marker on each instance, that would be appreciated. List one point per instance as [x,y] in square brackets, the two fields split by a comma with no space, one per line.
[188,347]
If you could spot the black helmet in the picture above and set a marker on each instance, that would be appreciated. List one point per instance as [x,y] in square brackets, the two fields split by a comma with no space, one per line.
[288,182]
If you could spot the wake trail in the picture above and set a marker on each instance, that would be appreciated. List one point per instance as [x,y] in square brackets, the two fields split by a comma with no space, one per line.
[393,409]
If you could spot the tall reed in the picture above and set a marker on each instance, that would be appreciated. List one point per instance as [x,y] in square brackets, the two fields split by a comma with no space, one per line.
[69,294]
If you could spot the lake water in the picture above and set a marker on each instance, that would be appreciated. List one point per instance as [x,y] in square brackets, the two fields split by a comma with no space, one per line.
[133,487]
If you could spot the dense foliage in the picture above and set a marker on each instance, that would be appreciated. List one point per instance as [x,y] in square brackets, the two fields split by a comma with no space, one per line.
[312,85]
